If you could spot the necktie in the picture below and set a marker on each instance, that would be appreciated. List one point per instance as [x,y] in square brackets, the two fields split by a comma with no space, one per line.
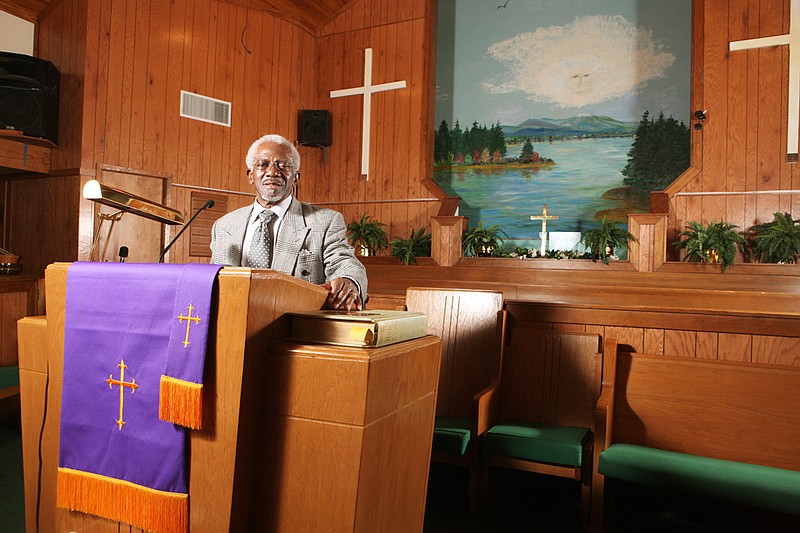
[261,245]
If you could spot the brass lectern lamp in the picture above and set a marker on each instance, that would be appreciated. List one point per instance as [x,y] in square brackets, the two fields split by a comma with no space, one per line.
[124,202]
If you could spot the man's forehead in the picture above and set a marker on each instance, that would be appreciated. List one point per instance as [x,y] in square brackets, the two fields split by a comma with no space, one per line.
[269,148]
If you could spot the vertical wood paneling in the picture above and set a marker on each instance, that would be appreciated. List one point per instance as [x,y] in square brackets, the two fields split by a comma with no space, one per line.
[735,347]
[115,72]
[776,350]
[223,87]
[128,54]
[681,343]
[744,139]
[395,32]
[156,95]
[238,144]
[654,341]
[769,104]
[633,337]
[750,108]
[13,306]
[91,64]
[42,232]
[62,35]
[707,346]
[737,137]
[139,85]
[209,130]
[714,139]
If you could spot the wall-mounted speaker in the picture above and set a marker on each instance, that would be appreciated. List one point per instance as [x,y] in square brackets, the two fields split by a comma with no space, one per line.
[314,127]
[29,95]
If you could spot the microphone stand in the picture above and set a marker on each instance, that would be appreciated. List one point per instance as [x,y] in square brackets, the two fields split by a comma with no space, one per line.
[209,204]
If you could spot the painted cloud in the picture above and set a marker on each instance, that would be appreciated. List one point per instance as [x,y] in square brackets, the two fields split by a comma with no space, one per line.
[591,60]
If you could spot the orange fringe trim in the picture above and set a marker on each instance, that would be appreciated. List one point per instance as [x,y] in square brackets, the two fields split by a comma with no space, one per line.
[123,501]
[181,402]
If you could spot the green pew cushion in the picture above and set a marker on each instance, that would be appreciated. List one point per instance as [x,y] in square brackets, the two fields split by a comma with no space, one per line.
[9,376]
[758,486]
[561,445]
[451,435]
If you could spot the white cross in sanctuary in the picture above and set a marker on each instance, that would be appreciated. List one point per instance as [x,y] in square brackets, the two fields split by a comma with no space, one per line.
[544,217]
[792,39]
[367,89]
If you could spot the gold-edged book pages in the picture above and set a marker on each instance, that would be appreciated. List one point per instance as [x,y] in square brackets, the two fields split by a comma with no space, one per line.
[368,328]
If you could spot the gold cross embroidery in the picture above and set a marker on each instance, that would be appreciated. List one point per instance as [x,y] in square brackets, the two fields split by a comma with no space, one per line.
[189,319]
[122,384]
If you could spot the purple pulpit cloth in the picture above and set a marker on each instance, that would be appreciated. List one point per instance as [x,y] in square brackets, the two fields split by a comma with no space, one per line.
[117,459]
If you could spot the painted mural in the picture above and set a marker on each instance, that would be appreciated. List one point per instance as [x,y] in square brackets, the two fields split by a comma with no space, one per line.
[581,105]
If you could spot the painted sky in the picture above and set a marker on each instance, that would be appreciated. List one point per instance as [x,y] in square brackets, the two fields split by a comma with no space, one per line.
[561,58]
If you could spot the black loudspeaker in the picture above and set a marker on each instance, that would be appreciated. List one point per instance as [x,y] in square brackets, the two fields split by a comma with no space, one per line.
[29,92]
[314,127]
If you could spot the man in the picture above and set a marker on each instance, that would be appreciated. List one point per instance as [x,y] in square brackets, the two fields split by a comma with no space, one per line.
[310,241]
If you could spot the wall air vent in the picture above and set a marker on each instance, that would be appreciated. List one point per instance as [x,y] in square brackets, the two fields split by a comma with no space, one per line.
[205,108]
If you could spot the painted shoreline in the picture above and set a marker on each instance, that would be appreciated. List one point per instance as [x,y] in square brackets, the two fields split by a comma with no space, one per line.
[497,166]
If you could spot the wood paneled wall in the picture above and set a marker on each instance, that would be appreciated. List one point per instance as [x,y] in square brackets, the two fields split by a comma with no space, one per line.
[742,145]
[400,35]
[124,63]
[141,54]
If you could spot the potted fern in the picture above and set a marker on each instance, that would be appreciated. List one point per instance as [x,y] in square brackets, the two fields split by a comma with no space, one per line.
[483,242]
[602,241]
[715,242]
[418,244]
[777,241]
[367,236]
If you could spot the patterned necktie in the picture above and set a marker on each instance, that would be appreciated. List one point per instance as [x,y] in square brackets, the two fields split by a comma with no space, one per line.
[261,245]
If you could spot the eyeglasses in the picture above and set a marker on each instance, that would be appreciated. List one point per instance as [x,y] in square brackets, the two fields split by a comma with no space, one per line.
[262,165]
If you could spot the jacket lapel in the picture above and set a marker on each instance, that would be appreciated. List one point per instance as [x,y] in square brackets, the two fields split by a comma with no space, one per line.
[292,234]
[236,229]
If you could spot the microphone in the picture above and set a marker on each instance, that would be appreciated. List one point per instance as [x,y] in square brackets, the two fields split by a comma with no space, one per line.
[123,253]
[208,205]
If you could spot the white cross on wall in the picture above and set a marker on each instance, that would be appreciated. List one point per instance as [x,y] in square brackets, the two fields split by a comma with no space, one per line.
[793,40]
[367,89]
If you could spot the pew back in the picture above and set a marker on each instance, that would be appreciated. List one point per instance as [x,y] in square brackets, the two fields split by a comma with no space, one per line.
[725,410]
[551,377]
[471,326]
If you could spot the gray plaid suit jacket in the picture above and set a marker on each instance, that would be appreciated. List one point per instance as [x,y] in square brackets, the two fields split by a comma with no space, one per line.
[312,244]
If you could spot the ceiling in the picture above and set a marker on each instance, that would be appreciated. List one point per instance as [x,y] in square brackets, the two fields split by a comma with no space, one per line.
[310,14]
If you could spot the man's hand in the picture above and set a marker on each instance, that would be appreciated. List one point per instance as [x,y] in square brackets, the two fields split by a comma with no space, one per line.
[343,294]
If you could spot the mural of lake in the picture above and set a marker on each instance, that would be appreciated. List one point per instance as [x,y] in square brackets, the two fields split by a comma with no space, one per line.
[585,169]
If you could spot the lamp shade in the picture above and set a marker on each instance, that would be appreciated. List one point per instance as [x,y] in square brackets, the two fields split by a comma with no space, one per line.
[130,203]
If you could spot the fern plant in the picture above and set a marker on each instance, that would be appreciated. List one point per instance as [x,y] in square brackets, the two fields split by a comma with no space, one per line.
[418,244]
[602,241]
[777,241]
[716,242]
[367,236]
[482,241]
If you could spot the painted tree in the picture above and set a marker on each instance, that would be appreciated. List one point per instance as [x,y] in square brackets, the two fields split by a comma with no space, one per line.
[660,153]
[442,143]
[527,151]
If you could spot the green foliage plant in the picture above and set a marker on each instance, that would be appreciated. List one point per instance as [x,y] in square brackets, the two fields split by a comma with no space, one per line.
[481,241]
[602,241]
[715,242]
[660,152]
[367,236]
[418,244]
[777,241]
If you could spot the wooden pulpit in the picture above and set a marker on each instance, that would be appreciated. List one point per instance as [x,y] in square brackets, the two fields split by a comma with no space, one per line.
[295,437]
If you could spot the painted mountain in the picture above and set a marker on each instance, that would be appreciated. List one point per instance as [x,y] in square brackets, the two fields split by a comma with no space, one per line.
[579,126]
